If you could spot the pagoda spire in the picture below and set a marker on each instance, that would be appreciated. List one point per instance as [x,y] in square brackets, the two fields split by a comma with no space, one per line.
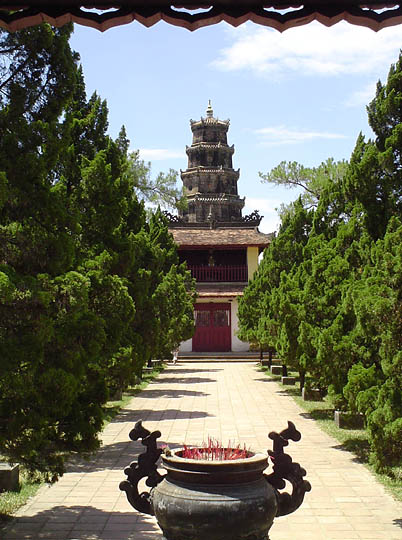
[210,112]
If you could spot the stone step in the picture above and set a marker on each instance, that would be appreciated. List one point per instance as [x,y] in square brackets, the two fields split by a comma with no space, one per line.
[219,356]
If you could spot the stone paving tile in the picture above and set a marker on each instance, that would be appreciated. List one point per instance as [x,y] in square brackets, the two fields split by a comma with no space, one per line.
[230,401]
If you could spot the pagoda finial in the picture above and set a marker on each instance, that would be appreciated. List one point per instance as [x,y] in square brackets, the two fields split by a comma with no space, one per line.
[210,111]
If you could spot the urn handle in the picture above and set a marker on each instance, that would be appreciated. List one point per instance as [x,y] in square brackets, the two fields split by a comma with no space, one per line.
[285,469]
[145,467]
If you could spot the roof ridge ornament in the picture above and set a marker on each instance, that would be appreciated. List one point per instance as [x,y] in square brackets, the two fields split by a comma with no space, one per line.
[210,112]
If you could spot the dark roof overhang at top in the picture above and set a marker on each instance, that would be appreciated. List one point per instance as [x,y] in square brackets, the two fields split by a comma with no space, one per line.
[194,14]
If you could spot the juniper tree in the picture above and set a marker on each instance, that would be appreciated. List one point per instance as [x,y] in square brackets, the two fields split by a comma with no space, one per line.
[78,261]
[375,178]
[374,385]
[48,334]
[259,309]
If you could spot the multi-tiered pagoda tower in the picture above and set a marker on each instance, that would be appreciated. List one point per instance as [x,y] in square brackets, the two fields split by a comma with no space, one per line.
[221,246]
[210,182]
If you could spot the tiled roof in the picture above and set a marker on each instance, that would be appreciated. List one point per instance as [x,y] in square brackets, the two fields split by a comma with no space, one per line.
[231,236]
[194,14]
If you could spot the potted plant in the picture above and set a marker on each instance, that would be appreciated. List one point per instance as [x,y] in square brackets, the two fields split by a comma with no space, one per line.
[212,492]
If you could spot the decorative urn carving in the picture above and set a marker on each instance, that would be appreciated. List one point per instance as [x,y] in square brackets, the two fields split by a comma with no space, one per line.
[215,500]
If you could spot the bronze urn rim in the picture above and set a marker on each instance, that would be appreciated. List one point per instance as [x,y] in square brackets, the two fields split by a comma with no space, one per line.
[202,471]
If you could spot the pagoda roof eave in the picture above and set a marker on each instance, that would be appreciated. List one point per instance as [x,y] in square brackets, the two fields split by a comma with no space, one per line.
[210,121]
[219,246]
[208,170]
[227,237]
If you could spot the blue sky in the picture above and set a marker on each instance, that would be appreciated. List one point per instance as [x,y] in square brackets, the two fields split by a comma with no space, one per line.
[297,96]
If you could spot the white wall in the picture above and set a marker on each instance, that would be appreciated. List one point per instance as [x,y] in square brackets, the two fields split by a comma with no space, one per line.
[186,346]
[237,345]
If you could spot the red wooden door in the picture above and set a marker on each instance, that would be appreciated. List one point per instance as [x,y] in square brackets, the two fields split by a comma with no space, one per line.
[212,328]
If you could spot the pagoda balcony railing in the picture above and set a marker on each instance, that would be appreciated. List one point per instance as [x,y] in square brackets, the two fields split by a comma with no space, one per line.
[218,273]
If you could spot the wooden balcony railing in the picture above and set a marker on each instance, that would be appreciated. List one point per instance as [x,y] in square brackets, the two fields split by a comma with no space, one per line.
[219,273]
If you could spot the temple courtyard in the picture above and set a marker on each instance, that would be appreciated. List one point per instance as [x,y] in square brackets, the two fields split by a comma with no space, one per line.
[232,401]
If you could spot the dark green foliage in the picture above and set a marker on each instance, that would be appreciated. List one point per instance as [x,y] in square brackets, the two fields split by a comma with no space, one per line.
[375,178]
[334,310]
[332,267]
[90,290]
[48,335]
[375,387]
[266,311]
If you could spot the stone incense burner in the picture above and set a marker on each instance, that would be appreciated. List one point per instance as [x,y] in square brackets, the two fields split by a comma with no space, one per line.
[215,500]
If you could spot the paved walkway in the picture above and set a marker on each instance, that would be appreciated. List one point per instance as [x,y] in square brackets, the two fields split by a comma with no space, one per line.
[230,401]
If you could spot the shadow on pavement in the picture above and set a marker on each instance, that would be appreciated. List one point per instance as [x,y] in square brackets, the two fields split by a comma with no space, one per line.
[82,523]
[178,369]
[115,457]
[128,415]
[160,392]
[318,414]
[357,446]
[181,380]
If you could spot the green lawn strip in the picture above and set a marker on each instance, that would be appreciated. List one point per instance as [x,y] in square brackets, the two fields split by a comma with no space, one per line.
[10,501]
[352,440]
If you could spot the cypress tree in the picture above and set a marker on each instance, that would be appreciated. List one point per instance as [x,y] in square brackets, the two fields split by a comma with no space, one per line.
[374,385]
[83,275]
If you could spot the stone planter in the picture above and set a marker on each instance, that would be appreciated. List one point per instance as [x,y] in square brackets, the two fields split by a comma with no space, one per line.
[276,370]
[311,394]
[348,420]
[9,477]
[289,380]
[215,500]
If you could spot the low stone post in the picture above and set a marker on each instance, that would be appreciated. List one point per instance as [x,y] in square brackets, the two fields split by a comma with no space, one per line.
[9,477]
[348,420]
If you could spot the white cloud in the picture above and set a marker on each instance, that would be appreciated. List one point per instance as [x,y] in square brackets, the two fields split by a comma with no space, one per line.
[280,135]
[158,154]
[311,50]
[363,96]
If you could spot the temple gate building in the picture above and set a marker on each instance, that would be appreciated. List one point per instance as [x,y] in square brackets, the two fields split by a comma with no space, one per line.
[221,246]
